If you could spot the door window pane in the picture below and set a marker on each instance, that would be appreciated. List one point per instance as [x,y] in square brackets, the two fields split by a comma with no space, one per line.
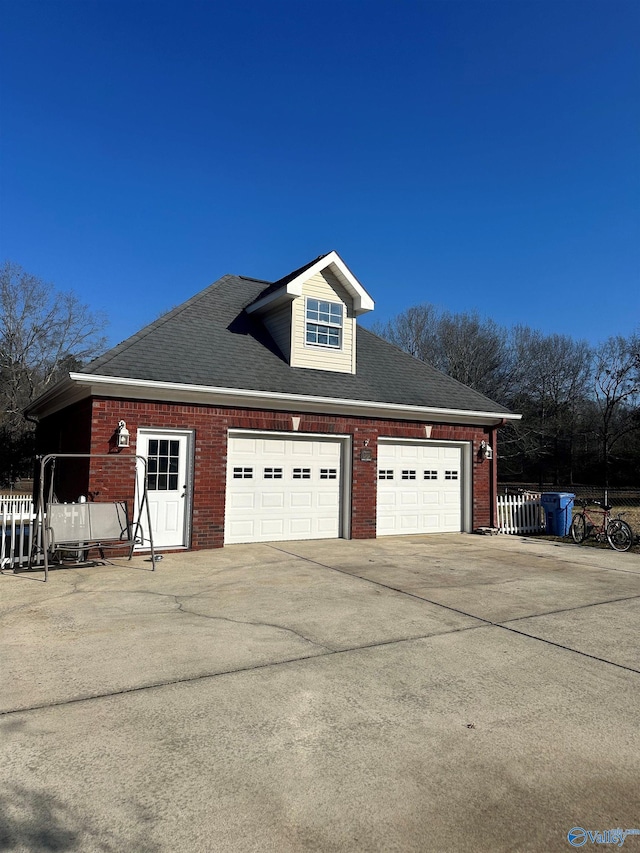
[163,456]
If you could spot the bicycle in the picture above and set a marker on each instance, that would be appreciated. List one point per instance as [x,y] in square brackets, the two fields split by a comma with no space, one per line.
[615,531]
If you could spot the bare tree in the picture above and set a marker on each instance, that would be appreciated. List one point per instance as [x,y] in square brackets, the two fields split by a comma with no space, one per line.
[551,384]
[473,350]
[415,331]
[476,352]
[43,333]
[617,392]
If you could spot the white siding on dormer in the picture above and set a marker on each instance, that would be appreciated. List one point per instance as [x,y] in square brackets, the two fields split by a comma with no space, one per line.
[324,285]
[278,323]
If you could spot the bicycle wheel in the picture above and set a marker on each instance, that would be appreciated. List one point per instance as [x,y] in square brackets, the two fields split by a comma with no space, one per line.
[578,528]
[619,535]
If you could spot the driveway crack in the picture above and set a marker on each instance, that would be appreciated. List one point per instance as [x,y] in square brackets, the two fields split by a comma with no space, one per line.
[257,624]
[488,623]
[570,609]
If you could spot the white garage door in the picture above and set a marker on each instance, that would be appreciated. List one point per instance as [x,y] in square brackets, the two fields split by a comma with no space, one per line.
[419,489]
[279,489]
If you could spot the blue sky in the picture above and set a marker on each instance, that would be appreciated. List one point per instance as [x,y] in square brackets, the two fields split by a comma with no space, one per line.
[478,155]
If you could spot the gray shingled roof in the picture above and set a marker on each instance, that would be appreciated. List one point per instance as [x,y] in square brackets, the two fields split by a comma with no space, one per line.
[210,340]
[281,282]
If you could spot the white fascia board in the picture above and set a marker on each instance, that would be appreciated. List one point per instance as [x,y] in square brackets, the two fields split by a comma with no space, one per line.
[284,294]
[63,394]
[362,302]
[177,392]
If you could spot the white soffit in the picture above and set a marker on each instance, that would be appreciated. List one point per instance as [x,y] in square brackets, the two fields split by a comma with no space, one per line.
[82,385]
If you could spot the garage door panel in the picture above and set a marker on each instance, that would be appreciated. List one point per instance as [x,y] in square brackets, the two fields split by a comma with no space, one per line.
[431,498]
[328,527]
[243,501]
[271,527]
[328,499]
[329,449]
[236,447]
[302,448]
[423,477]
[409,452]
[241,528]
[272,501]
[300,500]
[386,523]
[282,489]
[272,447]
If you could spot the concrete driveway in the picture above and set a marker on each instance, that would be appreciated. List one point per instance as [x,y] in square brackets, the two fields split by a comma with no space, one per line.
[443,693]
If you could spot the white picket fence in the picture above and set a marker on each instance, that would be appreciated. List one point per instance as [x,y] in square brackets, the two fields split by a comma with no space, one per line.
[520,513]
[17,527]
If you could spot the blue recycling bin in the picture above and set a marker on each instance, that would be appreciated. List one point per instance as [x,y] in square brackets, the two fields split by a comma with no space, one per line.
[557,509]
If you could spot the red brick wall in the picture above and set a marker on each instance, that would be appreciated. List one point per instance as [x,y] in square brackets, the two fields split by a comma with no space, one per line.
[210,426]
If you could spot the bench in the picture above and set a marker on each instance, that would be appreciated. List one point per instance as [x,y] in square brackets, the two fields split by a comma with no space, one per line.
[76,528]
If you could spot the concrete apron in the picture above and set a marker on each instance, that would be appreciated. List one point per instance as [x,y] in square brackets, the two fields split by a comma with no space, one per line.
[423,693]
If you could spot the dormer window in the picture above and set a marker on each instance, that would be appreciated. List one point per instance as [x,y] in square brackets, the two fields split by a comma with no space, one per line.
[311,315]
[324,323]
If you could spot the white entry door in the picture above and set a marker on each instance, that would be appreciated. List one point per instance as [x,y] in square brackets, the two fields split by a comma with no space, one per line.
[281,488]
[419,488]
[167,485]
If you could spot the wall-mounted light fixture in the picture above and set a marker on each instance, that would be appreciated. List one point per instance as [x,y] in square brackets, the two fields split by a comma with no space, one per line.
[486,451]
[123,434]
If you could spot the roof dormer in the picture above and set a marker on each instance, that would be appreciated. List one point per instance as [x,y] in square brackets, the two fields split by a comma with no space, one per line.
[311,314]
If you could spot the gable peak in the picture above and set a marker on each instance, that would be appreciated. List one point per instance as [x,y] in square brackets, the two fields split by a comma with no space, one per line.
[290,286]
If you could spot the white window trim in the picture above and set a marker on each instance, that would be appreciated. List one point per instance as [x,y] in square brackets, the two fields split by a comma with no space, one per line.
[327,325]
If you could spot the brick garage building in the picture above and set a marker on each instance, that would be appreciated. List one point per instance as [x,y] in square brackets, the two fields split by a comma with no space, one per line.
[266,413]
